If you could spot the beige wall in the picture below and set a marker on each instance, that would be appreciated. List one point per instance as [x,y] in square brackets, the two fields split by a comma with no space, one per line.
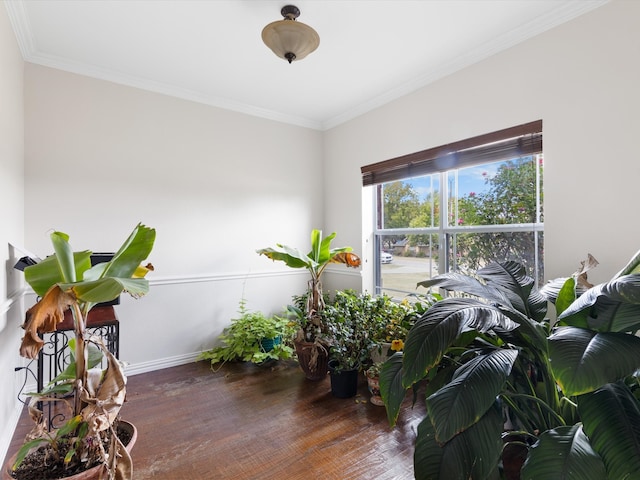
[11,225]
[217,185]
[582,79]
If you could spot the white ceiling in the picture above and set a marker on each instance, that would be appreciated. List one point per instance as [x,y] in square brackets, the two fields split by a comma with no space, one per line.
[211,51]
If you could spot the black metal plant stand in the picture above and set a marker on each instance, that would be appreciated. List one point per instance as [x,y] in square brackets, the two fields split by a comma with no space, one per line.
[55,355]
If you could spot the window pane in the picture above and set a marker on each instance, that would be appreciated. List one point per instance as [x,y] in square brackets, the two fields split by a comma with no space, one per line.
[412,203]
[470,251]
[497,205]
[405,261]
[494,194]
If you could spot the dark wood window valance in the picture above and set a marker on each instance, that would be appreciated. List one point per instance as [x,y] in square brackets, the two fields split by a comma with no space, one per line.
[525,139]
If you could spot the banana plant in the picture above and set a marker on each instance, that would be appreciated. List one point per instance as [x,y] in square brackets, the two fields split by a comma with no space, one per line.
[493,362]
[66,280]
[310,342]
[318,258]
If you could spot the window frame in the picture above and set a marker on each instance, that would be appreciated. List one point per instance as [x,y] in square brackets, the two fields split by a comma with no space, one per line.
[510,143]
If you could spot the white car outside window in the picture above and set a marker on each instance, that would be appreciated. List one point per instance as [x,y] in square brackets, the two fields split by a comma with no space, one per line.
[386,257]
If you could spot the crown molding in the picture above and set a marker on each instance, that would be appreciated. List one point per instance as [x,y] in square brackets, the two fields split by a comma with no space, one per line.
[21,26]
[20,23]
[149,85]
[564,12]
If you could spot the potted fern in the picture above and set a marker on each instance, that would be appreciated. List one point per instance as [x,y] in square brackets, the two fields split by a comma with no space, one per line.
[253,337]
[66,280]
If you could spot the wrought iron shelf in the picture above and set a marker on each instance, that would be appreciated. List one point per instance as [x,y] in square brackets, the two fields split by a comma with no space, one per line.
[55,354]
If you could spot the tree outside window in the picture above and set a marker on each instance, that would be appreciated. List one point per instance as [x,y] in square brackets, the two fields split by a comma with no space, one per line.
[492,212]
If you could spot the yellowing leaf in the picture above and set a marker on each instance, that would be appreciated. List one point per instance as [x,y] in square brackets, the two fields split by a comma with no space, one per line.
[141,271]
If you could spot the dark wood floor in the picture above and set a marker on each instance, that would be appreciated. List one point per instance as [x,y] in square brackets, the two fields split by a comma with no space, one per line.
[246,422]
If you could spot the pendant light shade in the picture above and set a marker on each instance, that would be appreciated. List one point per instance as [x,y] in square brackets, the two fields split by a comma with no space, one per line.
[288,38]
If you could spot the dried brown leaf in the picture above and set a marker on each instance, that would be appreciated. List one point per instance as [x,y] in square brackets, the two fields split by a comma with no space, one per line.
[349,259]
[43,317]
[103,408]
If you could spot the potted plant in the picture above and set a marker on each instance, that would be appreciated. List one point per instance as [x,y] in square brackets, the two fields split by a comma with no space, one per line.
[390,321]
[373,383]
[347,318]
[66,280]
[360,326]
[311,348]
[495,362]
[253,337]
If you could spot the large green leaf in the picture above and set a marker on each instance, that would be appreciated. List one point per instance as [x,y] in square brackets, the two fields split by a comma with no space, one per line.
[563,453]
[505,284]
[391,389]
[292,257]
[611,419]
[508,275]
[563,291]
[608,307]
[472,391]
[472,454]
[530,334]
[320,248]
[64,254]
[633,266]
[551,289]
[566,295]
[319,257]
[74,269]
[511,278]
[326,255]
[458,282]
[583,360]
[537,306]
[133,251]
[45,274]
[106,289]
[439,327]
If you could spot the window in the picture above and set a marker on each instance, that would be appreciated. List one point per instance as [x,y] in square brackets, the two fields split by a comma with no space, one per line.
[458,207]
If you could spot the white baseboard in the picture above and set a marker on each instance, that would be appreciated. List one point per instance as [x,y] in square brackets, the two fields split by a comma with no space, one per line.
[159,364]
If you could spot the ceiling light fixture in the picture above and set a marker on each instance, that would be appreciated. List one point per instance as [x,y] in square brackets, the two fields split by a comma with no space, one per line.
[288,38]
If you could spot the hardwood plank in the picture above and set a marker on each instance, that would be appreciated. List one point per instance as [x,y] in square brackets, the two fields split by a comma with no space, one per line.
[246,422]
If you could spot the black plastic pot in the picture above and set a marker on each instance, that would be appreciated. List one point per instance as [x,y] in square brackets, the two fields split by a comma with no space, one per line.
[344,383]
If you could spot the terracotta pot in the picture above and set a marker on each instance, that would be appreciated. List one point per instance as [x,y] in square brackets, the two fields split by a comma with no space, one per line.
[90,474]
[514,453]
[313,359]
[373,384]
